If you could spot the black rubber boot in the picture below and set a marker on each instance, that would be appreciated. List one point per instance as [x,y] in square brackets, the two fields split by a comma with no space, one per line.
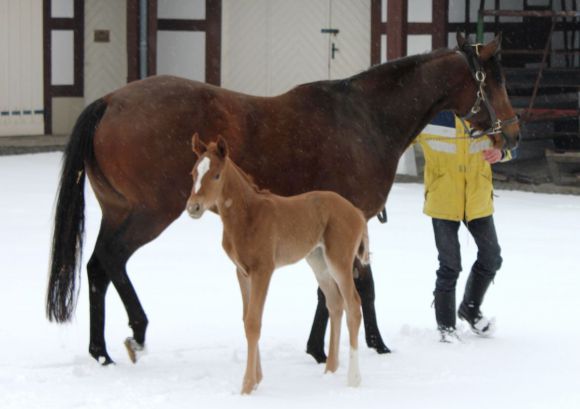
[445,314]
[445,309]
[469,310]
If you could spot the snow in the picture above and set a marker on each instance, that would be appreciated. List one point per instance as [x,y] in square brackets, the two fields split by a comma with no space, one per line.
[196,346]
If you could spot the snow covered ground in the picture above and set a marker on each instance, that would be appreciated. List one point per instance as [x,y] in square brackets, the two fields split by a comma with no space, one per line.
[196,346]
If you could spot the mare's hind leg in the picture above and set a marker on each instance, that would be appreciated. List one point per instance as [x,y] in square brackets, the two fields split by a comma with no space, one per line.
[98,284]
[115,244]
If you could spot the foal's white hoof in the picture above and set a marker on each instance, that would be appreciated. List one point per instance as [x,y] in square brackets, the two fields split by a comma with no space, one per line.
[353,380]
[134,349]
[353,377]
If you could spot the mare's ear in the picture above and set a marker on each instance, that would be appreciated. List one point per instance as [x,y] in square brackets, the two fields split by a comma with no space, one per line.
[490,49]
[222,147]
[197,145]
[461,40]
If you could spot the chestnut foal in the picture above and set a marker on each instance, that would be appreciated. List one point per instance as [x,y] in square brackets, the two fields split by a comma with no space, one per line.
[263,231]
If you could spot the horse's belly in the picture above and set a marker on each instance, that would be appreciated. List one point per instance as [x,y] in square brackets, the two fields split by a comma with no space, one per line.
[292,251]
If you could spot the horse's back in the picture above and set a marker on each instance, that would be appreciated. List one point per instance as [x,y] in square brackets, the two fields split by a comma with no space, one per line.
[318,216]
[143,142]
[303,144]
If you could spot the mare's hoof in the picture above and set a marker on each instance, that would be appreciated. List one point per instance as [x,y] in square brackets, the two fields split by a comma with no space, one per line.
[105,360]
[134,349]
[101,356]
[317,354]
[376,342]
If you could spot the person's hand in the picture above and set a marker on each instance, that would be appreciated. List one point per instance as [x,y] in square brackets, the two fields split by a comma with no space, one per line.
[492,155]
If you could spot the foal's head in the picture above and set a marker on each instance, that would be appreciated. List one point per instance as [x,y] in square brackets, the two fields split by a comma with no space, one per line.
[207,175]
[485,103]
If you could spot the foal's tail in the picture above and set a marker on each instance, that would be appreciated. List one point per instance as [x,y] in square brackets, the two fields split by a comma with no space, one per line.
[69,219]
[363,248]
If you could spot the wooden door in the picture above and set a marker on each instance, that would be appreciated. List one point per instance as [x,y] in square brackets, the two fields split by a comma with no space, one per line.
[21,68]
[270,46]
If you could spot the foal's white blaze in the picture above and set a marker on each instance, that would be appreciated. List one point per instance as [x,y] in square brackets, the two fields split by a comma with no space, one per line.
[202,169]
[354,378]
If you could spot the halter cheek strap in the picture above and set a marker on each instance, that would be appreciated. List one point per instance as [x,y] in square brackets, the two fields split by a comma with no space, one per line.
[496,125]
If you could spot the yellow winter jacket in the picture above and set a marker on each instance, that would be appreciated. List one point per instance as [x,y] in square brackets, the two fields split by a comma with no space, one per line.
[458,181]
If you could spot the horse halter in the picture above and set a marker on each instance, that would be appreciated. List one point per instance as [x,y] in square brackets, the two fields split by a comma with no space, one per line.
[471,53]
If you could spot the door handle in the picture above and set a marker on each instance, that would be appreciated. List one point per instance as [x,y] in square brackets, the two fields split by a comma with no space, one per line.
[333,50]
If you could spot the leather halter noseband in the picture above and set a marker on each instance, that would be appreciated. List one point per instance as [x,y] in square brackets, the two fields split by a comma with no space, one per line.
[496,127]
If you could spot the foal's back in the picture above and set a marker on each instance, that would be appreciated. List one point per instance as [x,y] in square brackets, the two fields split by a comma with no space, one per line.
[303,222]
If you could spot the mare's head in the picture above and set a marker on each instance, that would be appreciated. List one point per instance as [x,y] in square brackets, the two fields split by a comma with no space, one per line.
[207,175]
[484,101]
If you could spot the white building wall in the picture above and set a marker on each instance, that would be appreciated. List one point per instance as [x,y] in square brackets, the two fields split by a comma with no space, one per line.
[21,68]
[105,66]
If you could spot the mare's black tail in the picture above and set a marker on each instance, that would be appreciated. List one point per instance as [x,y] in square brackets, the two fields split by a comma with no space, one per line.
[69,219]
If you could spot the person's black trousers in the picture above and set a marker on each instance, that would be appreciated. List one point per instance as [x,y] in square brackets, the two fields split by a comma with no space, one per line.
[447,241]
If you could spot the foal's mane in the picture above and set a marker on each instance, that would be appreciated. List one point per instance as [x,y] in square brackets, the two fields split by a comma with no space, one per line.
[248,178]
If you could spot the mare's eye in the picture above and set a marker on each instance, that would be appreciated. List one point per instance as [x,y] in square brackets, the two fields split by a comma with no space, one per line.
[217,176]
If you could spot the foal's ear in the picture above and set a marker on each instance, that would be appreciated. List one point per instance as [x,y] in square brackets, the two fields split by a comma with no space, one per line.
[222,147]
[197,145]
[491,48]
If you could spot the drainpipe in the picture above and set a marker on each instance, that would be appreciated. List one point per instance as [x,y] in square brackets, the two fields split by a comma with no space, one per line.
[143,38]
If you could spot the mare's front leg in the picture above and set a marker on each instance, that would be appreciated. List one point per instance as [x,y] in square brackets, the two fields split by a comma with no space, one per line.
[365,286]
[315,344]
[259,281]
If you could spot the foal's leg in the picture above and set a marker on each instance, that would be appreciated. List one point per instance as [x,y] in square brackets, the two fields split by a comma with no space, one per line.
[335,306]
[366,288]
[259,282]
[244,282]
[339,257]
[333,301]
[353,318]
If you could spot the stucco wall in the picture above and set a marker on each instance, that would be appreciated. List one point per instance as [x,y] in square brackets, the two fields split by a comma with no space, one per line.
[105,63]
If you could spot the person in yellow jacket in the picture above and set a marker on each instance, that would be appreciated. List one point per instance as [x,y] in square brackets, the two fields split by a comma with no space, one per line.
[458,189]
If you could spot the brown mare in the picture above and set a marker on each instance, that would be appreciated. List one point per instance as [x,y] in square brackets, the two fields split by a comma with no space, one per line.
[322,227]
[344,136]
